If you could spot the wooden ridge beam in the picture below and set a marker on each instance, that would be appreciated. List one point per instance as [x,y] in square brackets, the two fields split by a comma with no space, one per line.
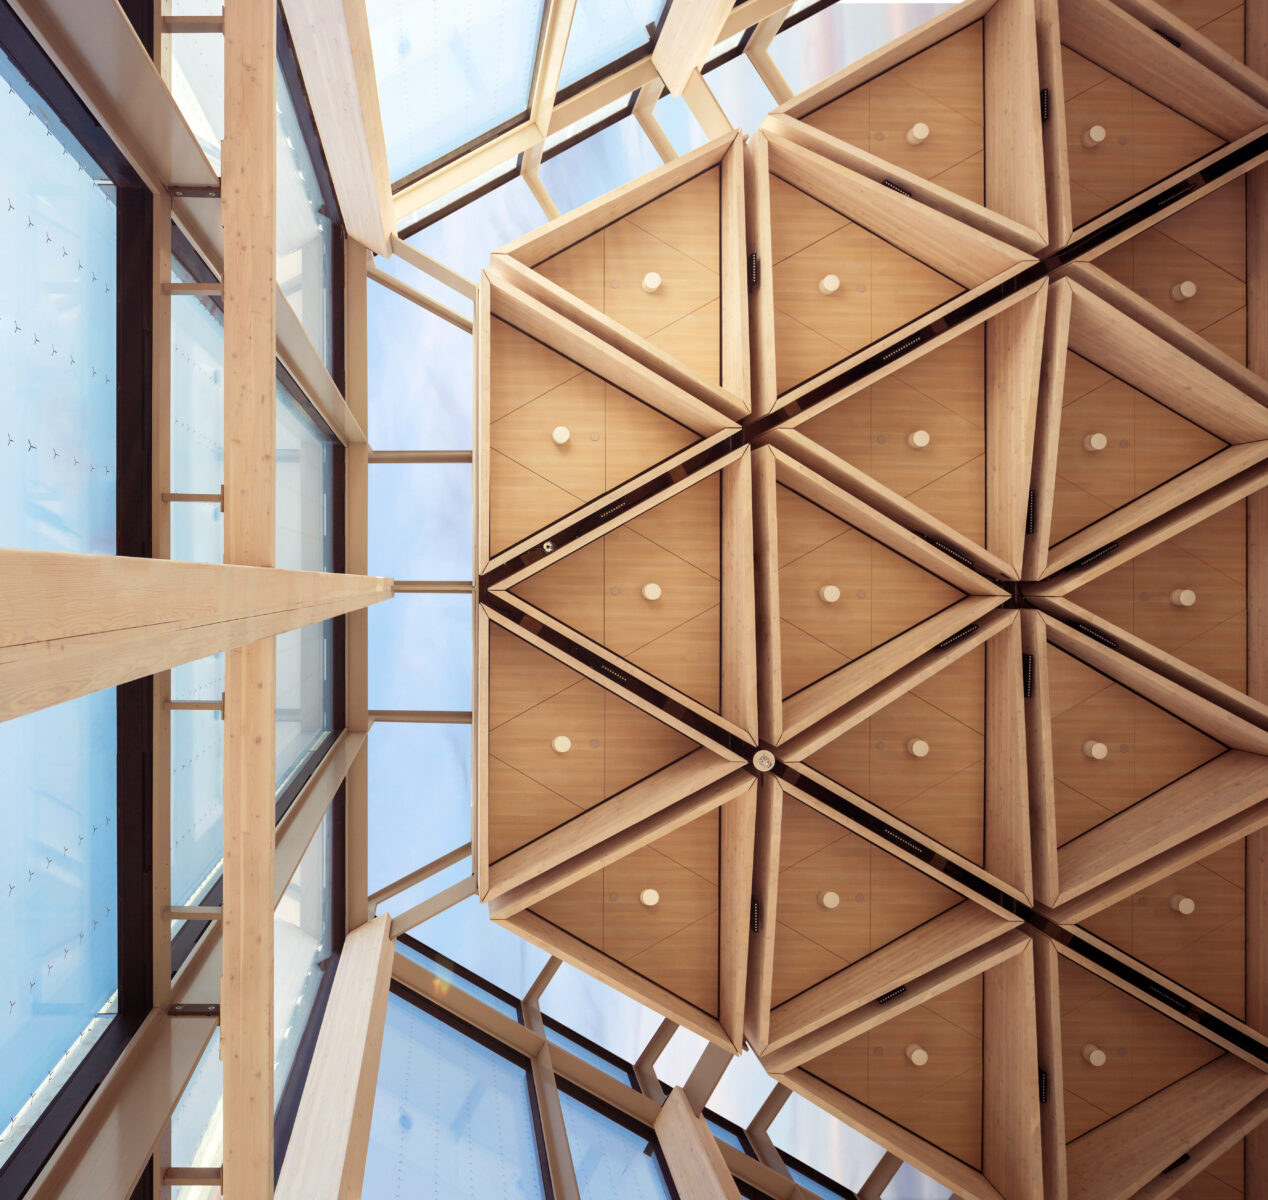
[71,624]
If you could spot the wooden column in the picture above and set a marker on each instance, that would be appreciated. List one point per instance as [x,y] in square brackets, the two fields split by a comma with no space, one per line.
[326,1156]
[248,211]
[690,31]
[695,1162]
[356,534]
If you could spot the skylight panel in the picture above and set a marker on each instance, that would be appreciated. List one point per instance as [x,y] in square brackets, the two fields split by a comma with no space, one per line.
[448,74]
[603,161]
[606,30]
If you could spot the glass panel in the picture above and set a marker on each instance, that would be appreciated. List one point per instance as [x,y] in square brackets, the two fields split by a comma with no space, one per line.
[305,695]
[465,934]
[739,89]
[419,796]
[910,1184]
[816,1187]
[420,521]
[675,117]
[604,30]
[302,930]
[197,787]
[679,1058]
[305,489]
[606,160]
[413,408]
[599,1012]
[447,73]
[742,1089]
[57,300]
[723,1134]
[59,936]
[824,1143]
[464,239]
[461,982]
[198,85]
[505,171]
[420,653]
[610,1160]
[452,1118]
[582,1050]
[305,237]
[198,421]
[841,34]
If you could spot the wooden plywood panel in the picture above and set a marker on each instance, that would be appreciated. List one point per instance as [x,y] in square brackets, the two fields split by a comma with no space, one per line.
[1146,444]
[599,591]
[1203,244]
[940,87]
[942,793]
[611,436]
[1146,747]
[1222,22]
[940,1101]
[881,898]
[882,594]
[673,942]
[676,236]
[1145,1051]
[533,787]
[1145,141]
[1225,1178]
[1203,950]
[881,287]
[1208,559]
[942,393]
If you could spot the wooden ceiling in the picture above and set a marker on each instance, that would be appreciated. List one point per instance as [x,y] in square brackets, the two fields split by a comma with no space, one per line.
[871,652]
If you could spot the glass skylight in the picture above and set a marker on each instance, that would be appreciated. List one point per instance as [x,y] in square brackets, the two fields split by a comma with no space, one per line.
[448,73]
[605,30]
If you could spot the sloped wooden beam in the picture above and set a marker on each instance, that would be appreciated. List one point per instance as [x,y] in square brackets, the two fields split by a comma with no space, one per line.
[325,1158]
[690,31]
[71,624]
[550,60]
[695,1162]
[332,43]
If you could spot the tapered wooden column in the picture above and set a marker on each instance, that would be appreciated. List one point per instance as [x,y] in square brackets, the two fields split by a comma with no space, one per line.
[248,210]
[695,1162]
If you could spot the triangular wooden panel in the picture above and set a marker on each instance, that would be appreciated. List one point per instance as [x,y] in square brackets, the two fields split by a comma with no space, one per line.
[881,593]
[942,393]
[1200,944]
[599,590]
[1143,445]
[676,236]
[673,941]
[1146,596]
[1144,1050]
[1110,747]
[940,87]
[534,787]
[880,898]
[940,792]
[1204,245]
[610,436]
[940,1101]
[881,287]
[1144,140]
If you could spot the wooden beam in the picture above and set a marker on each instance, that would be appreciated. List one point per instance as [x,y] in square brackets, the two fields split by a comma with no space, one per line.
[71,624]
[550,61]
[332,43]
[325,1159]
[530,166]
[705,107]
[248,213]
[406,882]
[645,1064]
[433,267]
[433,906]
[695,1162]
[421,299]
[691,30]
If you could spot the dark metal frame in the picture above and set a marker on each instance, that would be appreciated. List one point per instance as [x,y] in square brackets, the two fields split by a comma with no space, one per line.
[132,537]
